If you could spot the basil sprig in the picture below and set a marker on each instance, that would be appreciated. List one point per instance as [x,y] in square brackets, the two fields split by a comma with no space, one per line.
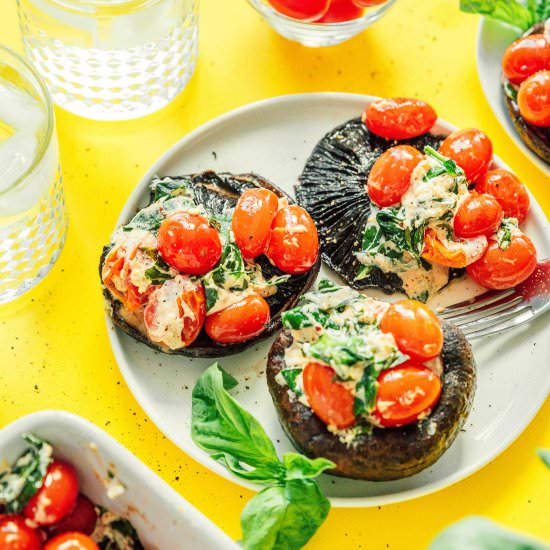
[288,512]
[544,456]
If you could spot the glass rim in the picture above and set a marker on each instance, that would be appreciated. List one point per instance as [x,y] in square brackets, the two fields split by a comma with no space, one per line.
[49,113]
[94,8]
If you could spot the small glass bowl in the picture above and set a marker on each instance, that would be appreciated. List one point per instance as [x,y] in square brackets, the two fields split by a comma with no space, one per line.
[316,35]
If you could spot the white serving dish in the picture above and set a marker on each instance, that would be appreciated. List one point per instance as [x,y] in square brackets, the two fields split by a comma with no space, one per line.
[163,519]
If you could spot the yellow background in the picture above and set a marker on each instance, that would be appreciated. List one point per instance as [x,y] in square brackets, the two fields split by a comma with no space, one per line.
[54,351]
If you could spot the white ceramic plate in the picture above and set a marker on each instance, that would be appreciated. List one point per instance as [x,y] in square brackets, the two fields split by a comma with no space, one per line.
[492,40]
[274,138]
[162,518]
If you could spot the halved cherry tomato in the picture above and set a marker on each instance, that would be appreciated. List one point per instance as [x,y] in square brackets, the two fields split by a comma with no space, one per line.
[189,243]
[471,149]
[305,10]
[240,321]
[294,244]
[176,298]
[252,221]
[399,118]
[534,99]
[368,3]
[500,269]
[56,497]
[404,393]
[510,193]
[390,176]
[341,10]
[83,518]
[478,214]
[331,401]
[71,541]
[525,57]
[452,253]
[15,534]
[415,327]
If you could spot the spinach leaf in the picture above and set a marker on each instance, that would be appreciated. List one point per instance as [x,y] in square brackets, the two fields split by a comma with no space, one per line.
[305,316]
[476,533]
[150,217]
[284,517]
[165,188]
[160,272]
[113,532]
[447,165]
[545,456]
[23,479]
[211,294]
[290,376]
[365,391]
[504,234]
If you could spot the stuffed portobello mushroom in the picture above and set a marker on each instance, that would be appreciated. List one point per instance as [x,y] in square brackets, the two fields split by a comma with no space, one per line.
[209,265]
[404,210]
[381,390]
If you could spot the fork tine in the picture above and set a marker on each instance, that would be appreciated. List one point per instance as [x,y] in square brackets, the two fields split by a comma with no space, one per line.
[516,321]
[494,320]
[511,301]
[470,305]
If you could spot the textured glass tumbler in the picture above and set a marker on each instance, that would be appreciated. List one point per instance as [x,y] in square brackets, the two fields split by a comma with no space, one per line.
[111,59]
[32,211]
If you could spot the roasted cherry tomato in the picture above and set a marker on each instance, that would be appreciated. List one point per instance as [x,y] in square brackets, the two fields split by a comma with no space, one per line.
[405,393]
[415,327]
[452,253]
[341,10]
[510,193]
[478,214]
[305,10]
[71,541]
[399,118]
[391,174]
[331,401]
[252,221]
[534,99]
[240,321]
[294,244]
[56,497]
[83,518]
[180,297]
[471,149]
[189,243]
[505,268]
[368,3]
[15,534]
[525,57]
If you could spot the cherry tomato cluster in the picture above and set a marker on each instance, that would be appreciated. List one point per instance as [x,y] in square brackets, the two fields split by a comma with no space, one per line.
[323,11]
[497,193]
[56,517]
[526,63]
[405,392]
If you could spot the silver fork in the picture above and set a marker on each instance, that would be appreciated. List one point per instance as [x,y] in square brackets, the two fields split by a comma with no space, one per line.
[497,311]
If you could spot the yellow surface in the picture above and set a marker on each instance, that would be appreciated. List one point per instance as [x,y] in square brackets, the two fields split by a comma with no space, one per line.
[54,351]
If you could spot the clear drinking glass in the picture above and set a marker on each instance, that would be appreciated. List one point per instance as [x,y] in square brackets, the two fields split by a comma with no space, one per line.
[111,59]
[32,211]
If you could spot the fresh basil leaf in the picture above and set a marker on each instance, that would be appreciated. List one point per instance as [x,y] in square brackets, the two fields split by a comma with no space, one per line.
[113,532]
[257,475]
[301,467]
[545,456]
[284,517]
[511,12]
[476,533]
[23,479]
[220,425]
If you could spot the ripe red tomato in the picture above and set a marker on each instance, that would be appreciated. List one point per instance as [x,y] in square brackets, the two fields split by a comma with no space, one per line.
[415,327]
[478,214]
[534,99]
[471,149]
[252,221]
[330,400]
[404,393]
[525,57]
[390,176]
[452,254]
[500,269]
[189,243]
[399,118]
[508,191]
[56,497]
[71,541]
[368,3]
[15,534]
[240,321]
[83,518]
[341,10]
[189,299]
[305,10]
[294,244]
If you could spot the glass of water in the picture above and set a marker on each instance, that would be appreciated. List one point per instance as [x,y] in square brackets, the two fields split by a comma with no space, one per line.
[32,212]
[111,59]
